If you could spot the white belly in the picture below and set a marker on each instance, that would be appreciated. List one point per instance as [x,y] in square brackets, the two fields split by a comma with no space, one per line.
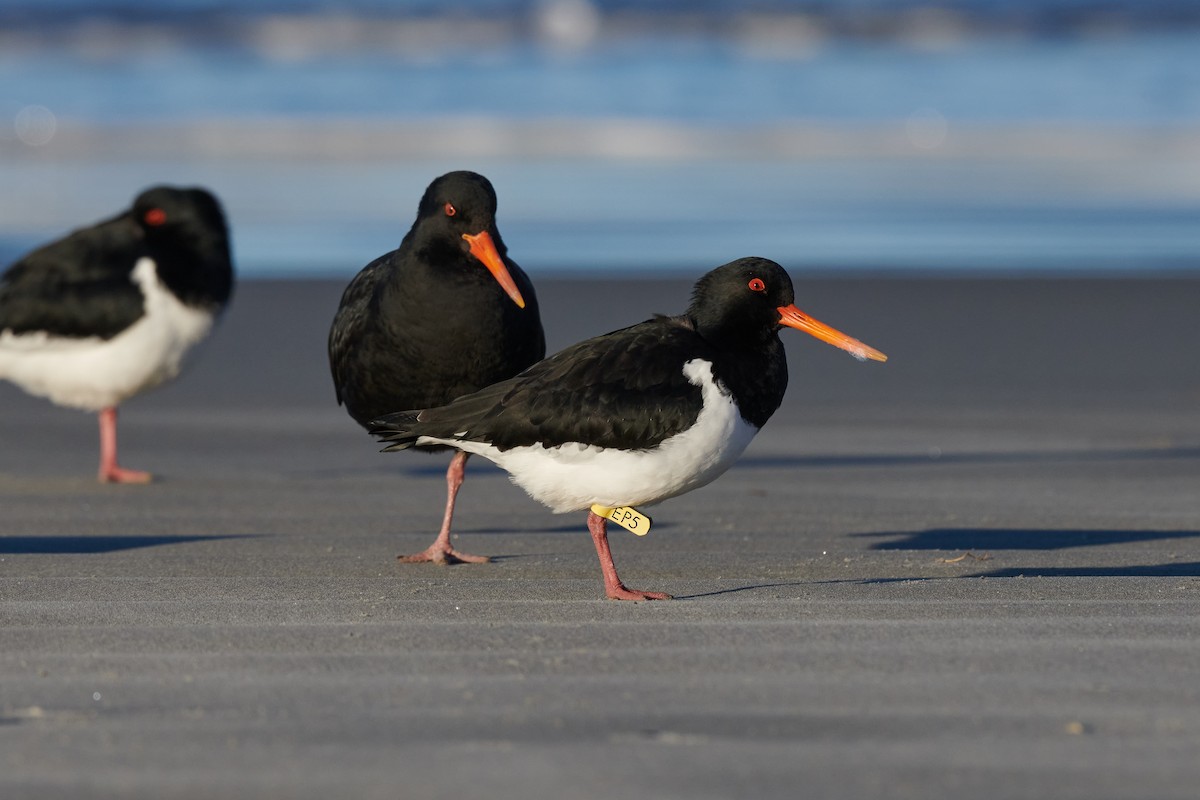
[96,373]
[574,476]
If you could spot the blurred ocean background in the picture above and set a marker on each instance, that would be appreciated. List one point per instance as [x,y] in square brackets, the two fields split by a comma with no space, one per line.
[982,136]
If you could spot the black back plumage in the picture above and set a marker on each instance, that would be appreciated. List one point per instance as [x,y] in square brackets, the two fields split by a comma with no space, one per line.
[82,285]
[627,389]
[427,323]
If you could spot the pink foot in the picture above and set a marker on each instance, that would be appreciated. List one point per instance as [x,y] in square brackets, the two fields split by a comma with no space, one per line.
[441,552]
[436,554]
[116,474]
[621,593]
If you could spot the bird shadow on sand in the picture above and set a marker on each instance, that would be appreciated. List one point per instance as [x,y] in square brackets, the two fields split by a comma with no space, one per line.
[976,539]
[981,540]
[739,589]
[91,545]
[1174,569]
[937,457]
[792,584]
[1183,569]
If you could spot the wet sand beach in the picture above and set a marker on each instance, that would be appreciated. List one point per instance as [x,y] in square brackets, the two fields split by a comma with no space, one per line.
[971,571]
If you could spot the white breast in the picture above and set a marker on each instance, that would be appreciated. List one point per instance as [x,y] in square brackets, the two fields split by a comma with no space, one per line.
[95,373]
[574,476]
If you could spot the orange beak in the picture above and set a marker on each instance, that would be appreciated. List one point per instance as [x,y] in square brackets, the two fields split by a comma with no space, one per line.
[795,318]
[484,249]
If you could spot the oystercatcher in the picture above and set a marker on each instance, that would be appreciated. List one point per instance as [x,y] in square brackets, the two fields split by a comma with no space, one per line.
[444,315]
[111,310]
[638,415]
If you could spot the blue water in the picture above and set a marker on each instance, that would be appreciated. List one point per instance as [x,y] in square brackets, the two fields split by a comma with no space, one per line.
[964,143]
[1141,79]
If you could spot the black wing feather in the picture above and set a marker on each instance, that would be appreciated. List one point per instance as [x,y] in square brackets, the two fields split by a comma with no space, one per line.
[78,286]
[357,307]
[625,389]
[409,336]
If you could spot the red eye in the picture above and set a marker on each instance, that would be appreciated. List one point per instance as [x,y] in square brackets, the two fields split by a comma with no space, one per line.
[757,285]
[450,210]
[155,216]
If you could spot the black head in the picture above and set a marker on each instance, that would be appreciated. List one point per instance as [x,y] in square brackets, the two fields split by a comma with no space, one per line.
[456,221]
[740,301]
[185,232]
[459,202]
[165,211]
[747,301]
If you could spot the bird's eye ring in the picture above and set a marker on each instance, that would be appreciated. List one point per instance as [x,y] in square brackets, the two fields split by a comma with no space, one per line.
[155,216]
[450,210]
[757,285]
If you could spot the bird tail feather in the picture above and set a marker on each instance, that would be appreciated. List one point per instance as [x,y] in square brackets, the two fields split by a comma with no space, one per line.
[397,429]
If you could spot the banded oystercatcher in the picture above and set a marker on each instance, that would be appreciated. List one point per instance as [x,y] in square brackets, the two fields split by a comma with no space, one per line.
[638,415]
[443,315]
[111,310]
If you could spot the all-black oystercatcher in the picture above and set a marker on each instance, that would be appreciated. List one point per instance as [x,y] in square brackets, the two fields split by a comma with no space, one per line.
[444,315]
[638,415]
[111,310]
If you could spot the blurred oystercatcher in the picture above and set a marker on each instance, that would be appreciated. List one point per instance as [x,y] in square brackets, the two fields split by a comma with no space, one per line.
[444,315]
[111,310]
[638,415]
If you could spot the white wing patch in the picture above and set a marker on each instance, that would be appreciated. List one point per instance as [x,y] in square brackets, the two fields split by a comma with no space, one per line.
[575,475]
[95,373]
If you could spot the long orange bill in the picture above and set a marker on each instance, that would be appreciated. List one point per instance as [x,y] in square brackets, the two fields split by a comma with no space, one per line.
[795,318]
[484,249]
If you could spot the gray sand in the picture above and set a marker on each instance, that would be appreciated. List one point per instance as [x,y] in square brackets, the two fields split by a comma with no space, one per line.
[970,572]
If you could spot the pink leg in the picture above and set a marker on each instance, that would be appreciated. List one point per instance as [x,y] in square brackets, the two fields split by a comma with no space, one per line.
[109,471]
[612,584]
[440,552]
